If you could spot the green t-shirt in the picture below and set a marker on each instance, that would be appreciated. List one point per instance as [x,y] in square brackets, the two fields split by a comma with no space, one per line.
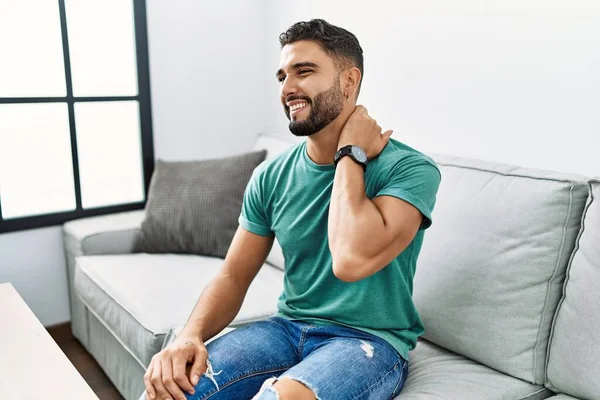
[288,196]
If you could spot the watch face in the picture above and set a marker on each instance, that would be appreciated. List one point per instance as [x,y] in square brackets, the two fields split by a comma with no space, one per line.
[359,154]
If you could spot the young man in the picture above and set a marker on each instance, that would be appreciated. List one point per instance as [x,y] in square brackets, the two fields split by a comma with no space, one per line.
[349,207]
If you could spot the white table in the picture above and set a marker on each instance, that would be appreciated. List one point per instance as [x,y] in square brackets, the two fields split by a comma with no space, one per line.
[32,366]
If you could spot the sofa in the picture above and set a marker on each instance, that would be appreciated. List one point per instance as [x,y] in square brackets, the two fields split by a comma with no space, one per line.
[507,285]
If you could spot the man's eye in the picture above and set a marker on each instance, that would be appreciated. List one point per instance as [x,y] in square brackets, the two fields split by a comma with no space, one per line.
[281,79]
[304,71]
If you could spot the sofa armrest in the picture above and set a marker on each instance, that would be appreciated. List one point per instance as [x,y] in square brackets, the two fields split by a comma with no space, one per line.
[106,234]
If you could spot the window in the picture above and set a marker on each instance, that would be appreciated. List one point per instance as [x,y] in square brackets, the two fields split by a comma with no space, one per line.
[75,116]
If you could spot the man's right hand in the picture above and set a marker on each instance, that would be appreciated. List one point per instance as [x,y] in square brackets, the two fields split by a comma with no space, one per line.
[166,375]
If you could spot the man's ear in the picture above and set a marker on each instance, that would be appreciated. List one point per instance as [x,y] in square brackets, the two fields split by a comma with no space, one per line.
[353,78]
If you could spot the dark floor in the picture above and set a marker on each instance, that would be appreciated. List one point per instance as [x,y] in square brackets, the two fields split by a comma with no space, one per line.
[84,363]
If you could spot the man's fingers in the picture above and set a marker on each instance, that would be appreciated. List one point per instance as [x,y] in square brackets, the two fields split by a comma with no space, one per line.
[169,382]
[386,135]
[199,366]
[151,393]
[360,109]
[180,377]
[156,379]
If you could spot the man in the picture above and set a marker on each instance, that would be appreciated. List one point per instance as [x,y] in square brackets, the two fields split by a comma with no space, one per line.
[349,207]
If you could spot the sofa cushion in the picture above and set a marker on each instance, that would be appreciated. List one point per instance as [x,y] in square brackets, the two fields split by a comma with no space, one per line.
[491,268]
[139,297]
[435,373]
[193,206]
[573,365]
[275,145]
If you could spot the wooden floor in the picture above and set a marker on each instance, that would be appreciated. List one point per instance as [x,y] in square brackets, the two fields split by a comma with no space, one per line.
[84,363]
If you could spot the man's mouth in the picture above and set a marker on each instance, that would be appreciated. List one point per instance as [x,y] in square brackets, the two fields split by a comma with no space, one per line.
[297,108]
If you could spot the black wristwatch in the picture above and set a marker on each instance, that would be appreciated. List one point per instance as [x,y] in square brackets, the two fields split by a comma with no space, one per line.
[355,152]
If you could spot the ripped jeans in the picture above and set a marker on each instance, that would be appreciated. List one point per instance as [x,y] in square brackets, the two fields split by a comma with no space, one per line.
[335,362]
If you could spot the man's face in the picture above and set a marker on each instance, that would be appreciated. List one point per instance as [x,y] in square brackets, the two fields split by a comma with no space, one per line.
[310,87]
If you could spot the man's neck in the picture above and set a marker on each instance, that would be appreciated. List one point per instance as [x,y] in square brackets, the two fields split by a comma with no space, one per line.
[323,145]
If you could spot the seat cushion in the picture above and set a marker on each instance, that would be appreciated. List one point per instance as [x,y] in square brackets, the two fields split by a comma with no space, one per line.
[139,297]
[573,366]
[435,373]
[491,269]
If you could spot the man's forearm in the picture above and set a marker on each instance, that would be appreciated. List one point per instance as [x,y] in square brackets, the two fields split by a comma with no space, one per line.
[357,230]
[218,305]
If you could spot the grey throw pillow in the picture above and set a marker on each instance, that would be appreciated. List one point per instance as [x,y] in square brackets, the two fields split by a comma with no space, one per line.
[193,206]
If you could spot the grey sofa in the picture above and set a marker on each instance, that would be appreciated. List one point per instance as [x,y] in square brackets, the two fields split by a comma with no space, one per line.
[507,285]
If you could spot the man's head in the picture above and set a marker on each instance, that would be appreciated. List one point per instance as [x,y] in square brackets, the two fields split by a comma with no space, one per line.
[320,71]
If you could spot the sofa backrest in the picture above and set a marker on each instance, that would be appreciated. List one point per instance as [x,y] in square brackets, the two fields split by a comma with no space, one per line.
[492,265]
[275,145]
[574,353]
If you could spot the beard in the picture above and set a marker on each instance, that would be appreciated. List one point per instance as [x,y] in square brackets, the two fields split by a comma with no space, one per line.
[324,109]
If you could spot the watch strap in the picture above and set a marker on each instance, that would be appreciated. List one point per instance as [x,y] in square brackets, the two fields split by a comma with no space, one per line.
[347,151]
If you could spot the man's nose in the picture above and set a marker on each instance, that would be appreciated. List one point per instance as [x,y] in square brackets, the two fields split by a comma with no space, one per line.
[288,87]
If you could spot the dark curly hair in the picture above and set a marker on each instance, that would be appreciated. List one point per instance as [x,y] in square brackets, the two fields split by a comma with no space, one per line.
[337,42]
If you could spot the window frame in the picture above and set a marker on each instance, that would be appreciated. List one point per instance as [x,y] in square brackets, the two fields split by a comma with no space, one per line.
[145,113]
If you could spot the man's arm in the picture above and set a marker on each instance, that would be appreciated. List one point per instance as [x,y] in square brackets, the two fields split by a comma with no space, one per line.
[366,235]
[222,298]
[218,305]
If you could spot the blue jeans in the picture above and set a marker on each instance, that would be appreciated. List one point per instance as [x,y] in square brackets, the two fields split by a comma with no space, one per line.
[335,362]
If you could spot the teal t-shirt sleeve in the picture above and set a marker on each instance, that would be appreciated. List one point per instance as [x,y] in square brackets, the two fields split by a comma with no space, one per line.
[417,183]
[253,217]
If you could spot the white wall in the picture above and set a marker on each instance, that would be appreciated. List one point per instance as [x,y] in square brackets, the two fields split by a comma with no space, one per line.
[207,72]
[207,66]
[512,81]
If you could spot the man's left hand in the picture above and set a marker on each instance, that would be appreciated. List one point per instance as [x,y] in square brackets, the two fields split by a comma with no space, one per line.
[362,130]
